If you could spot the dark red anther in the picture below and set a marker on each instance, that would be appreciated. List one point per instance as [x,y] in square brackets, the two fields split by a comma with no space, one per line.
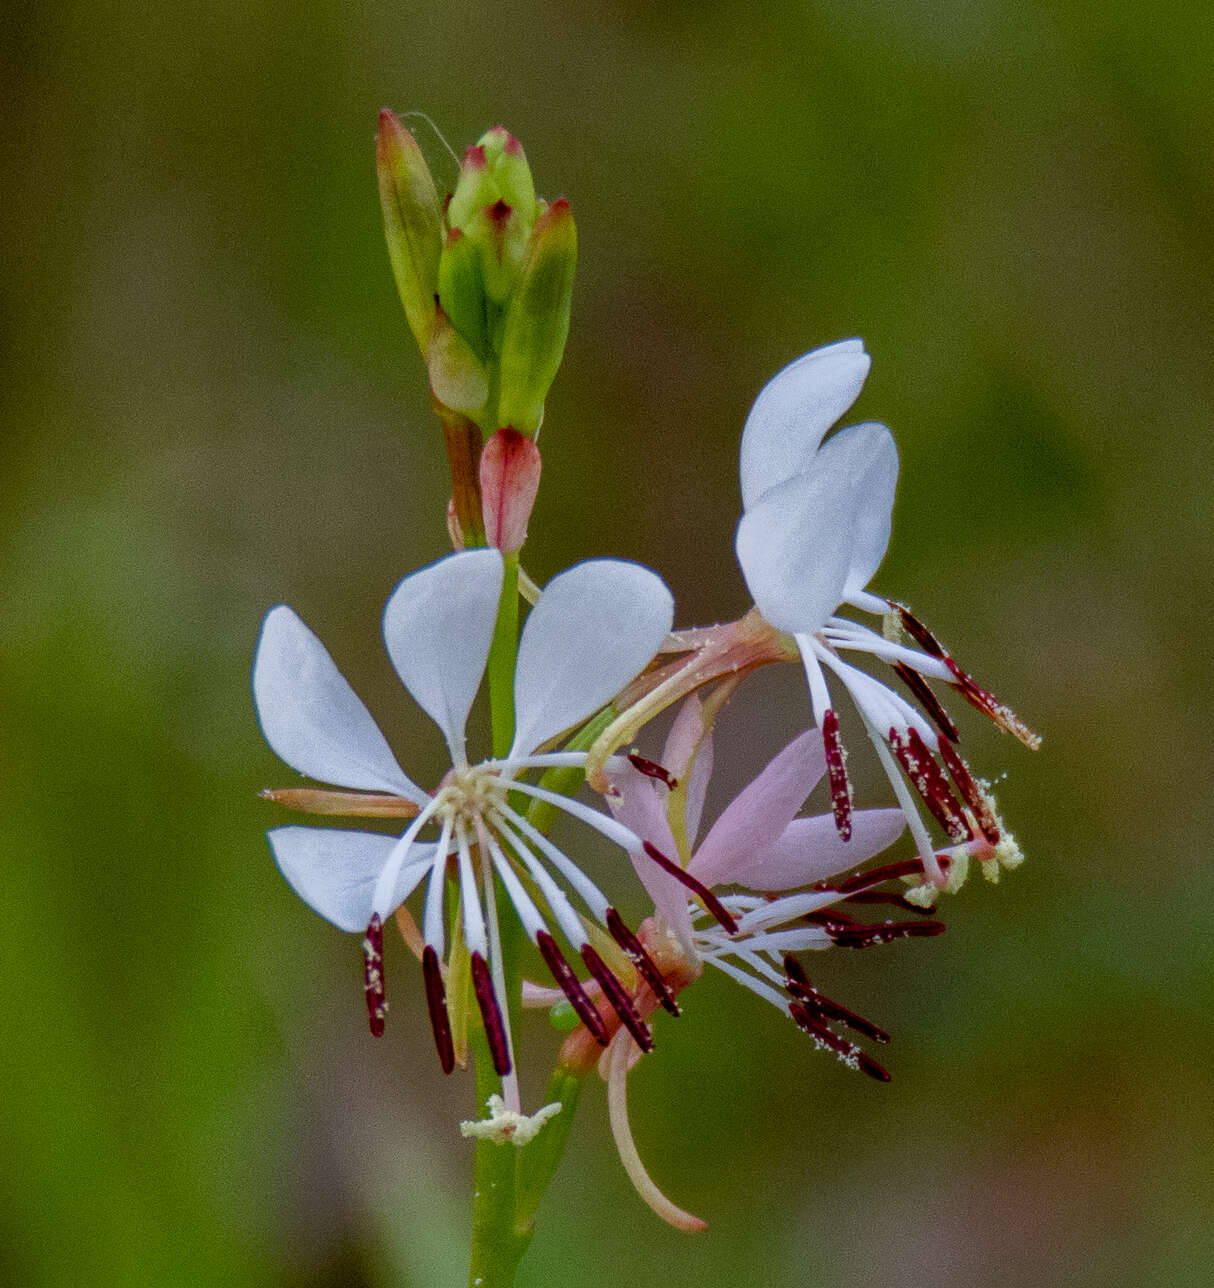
[867,935]
[641,960]
[701,891]
[979,805]
[847,1051]
[915,628]
[800,987]
[617,995]
[373,975]
[928,780]
[874,876]
[436,1004]
[836,770]
[921,690]
[991,707]
[495,1030]
[651,769]
[830,919]
[571,986]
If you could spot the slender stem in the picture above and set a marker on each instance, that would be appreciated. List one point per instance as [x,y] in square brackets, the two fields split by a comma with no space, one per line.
[497,1243]
[502,654]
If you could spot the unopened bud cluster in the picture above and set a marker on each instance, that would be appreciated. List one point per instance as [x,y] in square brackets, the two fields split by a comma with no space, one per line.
[486,280]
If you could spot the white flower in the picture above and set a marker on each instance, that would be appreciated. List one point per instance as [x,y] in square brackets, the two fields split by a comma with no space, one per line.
[594,628]
[814,529]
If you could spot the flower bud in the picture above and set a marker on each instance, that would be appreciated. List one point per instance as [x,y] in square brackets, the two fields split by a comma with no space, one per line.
[412,223]
[509,478]
[537,320]
[457,378]
[461,290]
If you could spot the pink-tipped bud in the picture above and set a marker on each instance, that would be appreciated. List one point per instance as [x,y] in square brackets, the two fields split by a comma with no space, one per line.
[510,478]
[412,223]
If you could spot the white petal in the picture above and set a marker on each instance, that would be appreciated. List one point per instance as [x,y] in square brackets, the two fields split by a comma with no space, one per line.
[438,625]
[595,627]
[793,412]
[311,716]
[794,548]
[817,537]
[811,849]
[334,872]
[866,455]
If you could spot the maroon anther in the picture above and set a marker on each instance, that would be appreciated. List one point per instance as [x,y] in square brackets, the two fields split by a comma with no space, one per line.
[867,935]
[991,707]
[571,986]
[651,769]
[847,1051]
[960,774]
[831,920]
[617,995]
[373,975]
[701,891]
[874,876]
[635,950]
[495,1030]
[927,778]
[836,771]
[800,987]
[920,688]
[436,1003]
[915,628]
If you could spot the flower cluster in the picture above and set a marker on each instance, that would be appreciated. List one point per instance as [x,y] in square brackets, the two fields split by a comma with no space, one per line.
[485,279]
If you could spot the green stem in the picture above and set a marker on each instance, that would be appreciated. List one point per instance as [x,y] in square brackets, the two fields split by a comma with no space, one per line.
[497,1242]
[502,654]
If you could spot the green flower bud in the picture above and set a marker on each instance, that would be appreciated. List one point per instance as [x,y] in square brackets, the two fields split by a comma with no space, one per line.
[412,223]
[474,191]
[461,290]
[457,378]
[537,320]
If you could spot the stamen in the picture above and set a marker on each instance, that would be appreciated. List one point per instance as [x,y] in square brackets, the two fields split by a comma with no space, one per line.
[915,628]
[848,1052]
[571,986]
[866,935]
[651,769]
[928,780]
[373,975]
[874,876]
[920,688]
[436,1003]
[979,805]
[618,997]
[800,987]
[992,708]
[701,891]
[495,1032]
[840,788]
[635,950]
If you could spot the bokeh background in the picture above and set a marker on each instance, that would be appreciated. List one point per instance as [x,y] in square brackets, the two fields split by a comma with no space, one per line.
[212,403]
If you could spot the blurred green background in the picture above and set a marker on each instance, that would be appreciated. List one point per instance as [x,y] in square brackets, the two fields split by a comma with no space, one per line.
[212,403]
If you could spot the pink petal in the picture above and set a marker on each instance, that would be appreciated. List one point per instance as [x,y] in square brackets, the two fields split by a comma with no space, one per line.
[641,806]
[755,819]
[687,743]
[811,849]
